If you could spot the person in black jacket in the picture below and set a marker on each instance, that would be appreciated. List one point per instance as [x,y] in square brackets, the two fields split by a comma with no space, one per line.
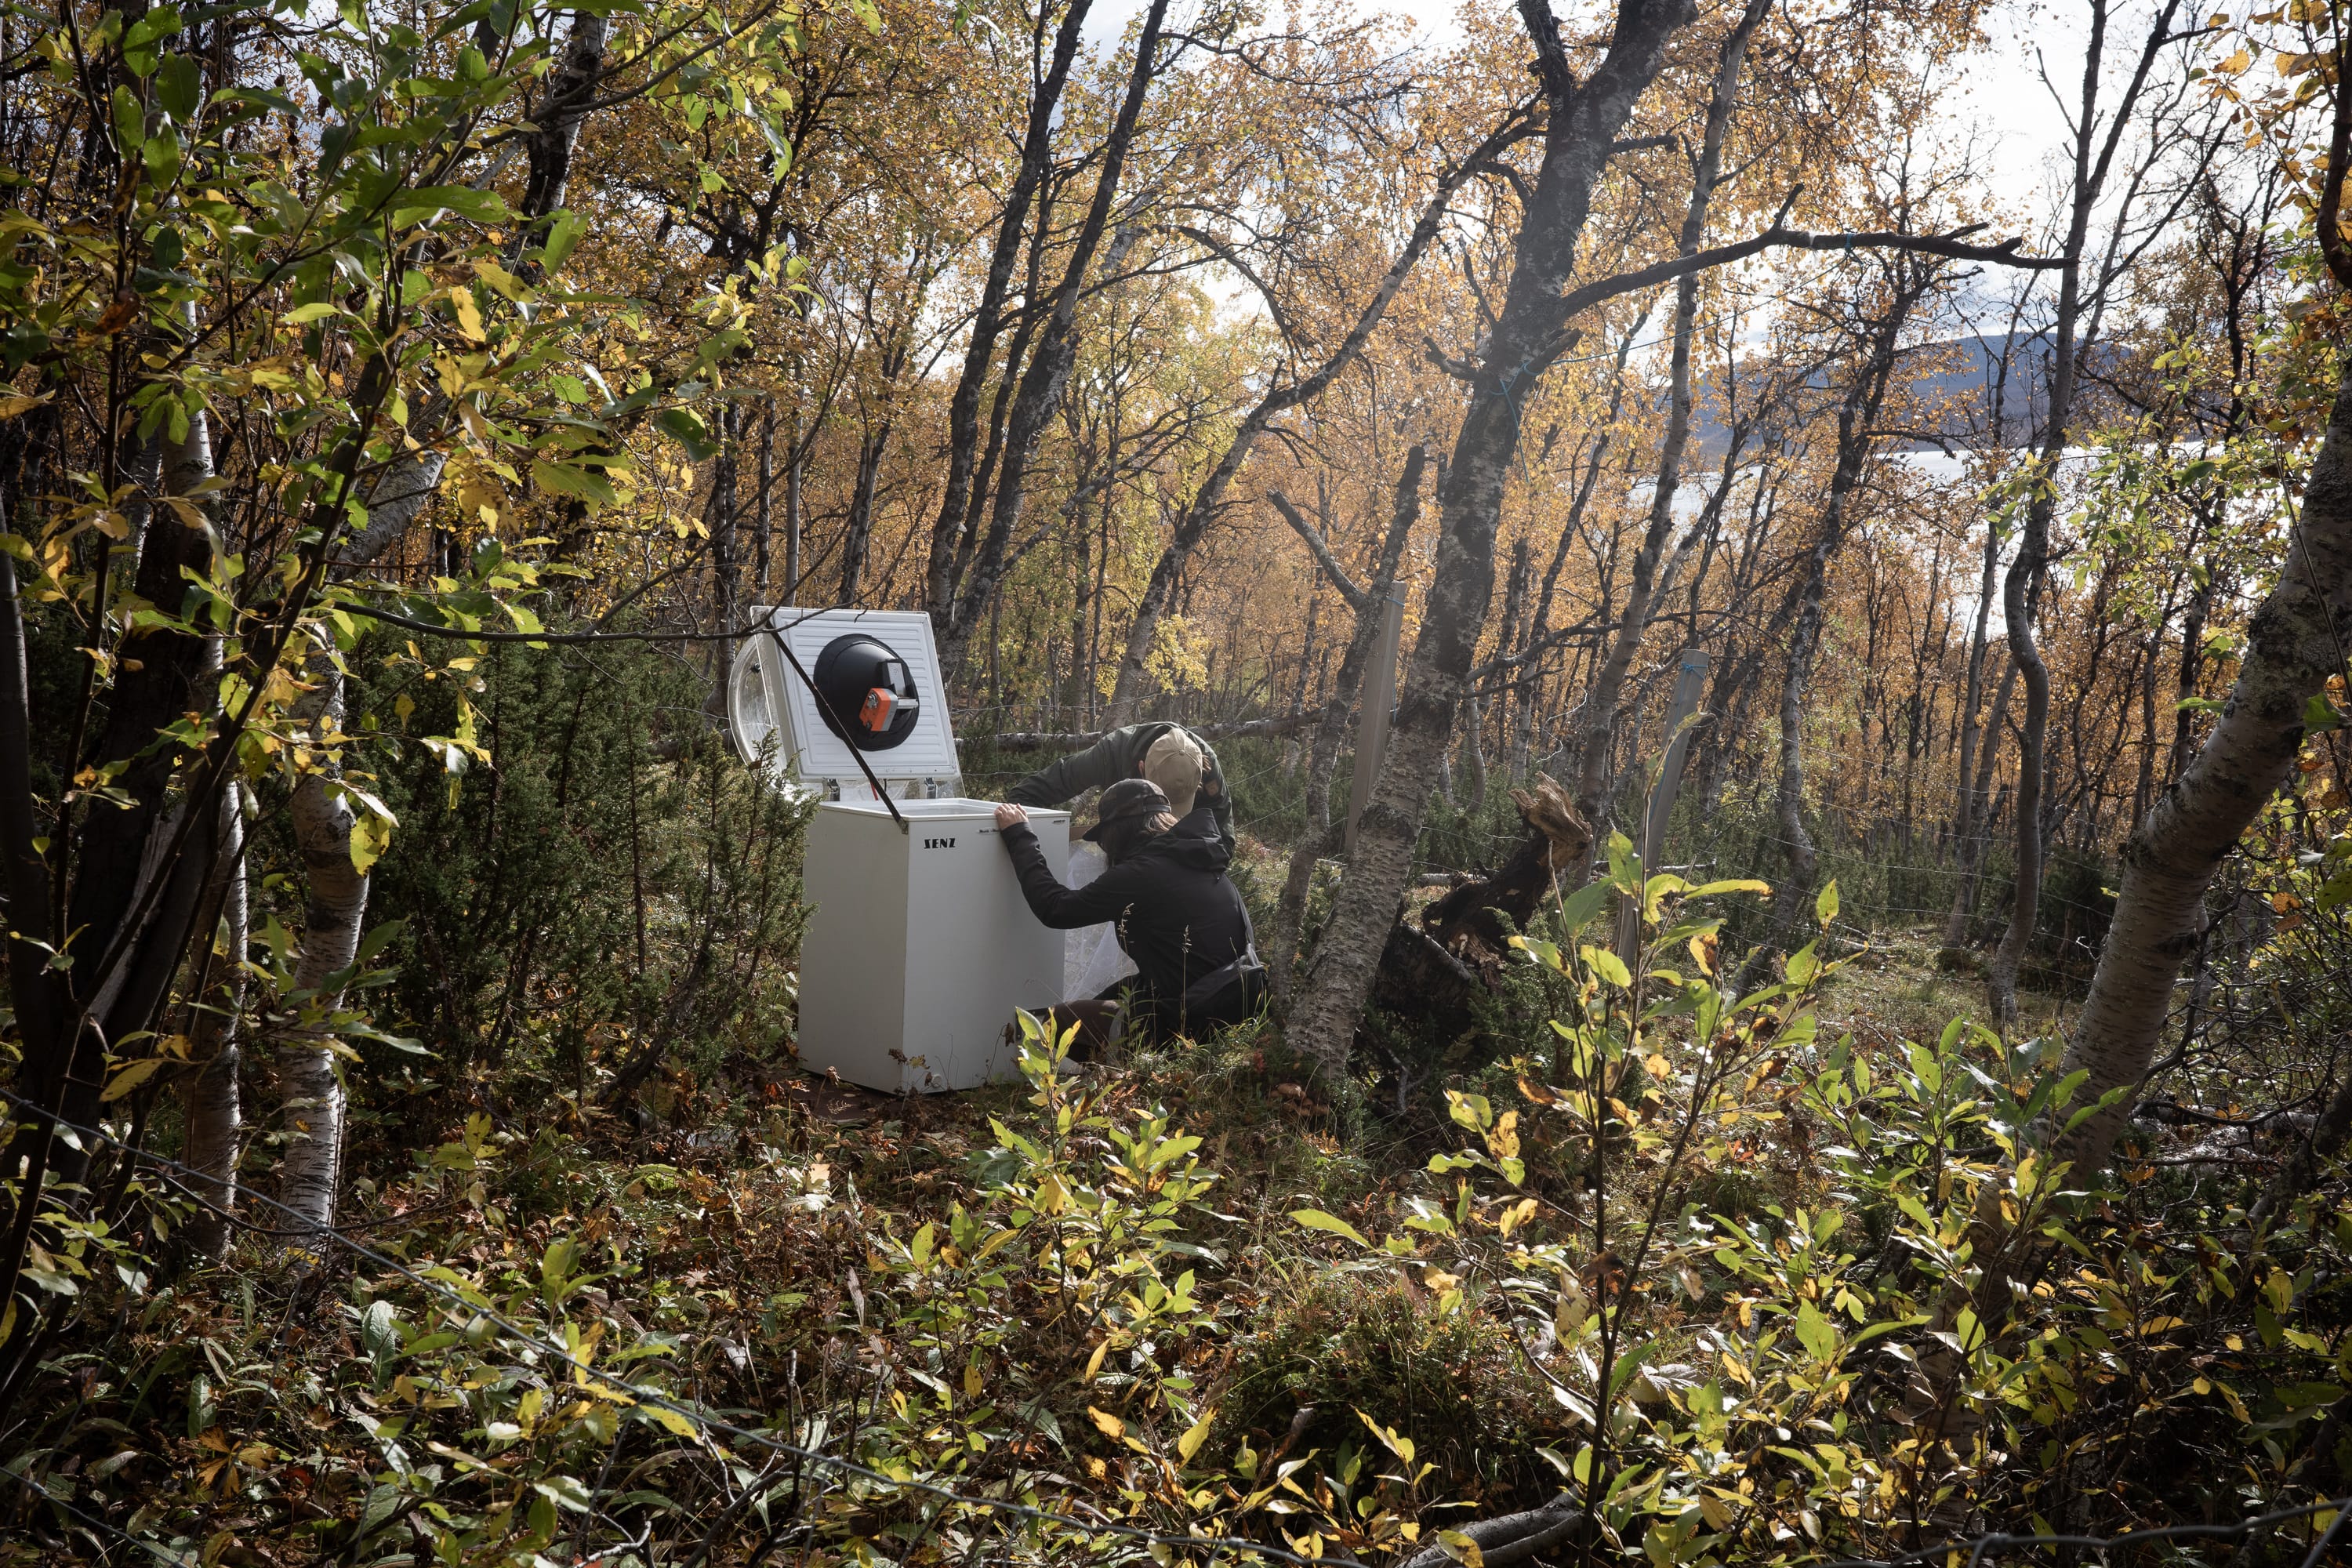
[1165,893]
[1180,763]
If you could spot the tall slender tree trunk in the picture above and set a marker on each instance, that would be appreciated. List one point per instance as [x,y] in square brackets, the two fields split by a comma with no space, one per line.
[2020,588]
[209,1093]
[1571,528]
[2193,664]
[2144,778]
[763,514]
[127,899]
[1473,754]
[794,459]
[950,532]
[1584,118]
[2295,643]
[722,519]
[1982,816]
[2018,592]
[1597,749]
[1967,809]
[860,528]
[1323,753]
[309,1085]
[1909,280]
[1795,895]
[1048,372]
[1517,588]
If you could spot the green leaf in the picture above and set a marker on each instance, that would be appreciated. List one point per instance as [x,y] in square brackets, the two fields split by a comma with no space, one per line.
[129,1077]
[1826,905]
[564,1492]
[562,233]
[1316,1220]
[1624,864]
[376,940]
[317,310]
[1737,884]
[1579,907]
[692,434]
[130,121]
[140,51]
[1815,1333]
[427,203]
[567,481]
[180,87]
[2319,715]
[1628,1365]
[1608,966]
[376,1334]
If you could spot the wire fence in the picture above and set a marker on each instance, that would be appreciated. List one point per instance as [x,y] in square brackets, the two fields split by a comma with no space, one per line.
[1985,1548]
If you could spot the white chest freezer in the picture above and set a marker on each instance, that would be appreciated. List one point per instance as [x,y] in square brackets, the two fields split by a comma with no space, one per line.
[920,947]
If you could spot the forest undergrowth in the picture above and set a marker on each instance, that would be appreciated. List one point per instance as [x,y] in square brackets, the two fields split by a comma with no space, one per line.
[409,412]
[1723,1280]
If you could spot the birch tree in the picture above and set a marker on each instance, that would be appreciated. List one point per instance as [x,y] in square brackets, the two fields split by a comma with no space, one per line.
[2296,642]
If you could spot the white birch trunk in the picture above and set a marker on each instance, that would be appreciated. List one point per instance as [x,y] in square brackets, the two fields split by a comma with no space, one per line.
[311,1089]
[2296,641]
[209,1095]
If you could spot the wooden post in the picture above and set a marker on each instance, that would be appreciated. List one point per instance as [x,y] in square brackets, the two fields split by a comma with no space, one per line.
[793,516]
[1379,702]
[1690,683]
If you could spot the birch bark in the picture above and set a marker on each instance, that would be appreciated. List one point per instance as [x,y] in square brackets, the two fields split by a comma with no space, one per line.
[333,910]
[2296,639]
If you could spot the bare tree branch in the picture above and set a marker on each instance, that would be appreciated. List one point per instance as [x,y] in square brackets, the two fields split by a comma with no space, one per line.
[1350,589]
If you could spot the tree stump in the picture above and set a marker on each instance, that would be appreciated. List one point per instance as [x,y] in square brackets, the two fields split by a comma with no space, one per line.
[1436,965]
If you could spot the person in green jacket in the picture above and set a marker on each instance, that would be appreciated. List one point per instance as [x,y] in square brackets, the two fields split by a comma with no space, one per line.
[1170,756]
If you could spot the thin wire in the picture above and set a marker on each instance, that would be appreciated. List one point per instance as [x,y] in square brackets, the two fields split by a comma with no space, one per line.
[730,633]
[2319,1548]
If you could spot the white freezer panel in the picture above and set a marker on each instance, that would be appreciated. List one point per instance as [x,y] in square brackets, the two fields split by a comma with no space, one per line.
[976,951]
[769,706]
[929,751]
[853,988]
[920,943]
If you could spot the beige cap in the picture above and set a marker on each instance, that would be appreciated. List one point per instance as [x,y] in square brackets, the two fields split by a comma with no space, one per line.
[1173,763]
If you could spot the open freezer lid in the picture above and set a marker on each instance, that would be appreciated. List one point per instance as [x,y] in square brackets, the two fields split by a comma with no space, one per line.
[888,701]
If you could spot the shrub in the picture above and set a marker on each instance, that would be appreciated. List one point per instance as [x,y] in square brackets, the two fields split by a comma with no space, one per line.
[613,891]
[1347,1342]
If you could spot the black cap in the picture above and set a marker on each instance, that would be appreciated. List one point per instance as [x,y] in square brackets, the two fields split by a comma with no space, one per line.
[1124,802]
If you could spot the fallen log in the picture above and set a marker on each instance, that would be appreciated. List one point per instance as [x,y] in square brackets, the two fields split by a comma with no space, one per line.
[1517,1537]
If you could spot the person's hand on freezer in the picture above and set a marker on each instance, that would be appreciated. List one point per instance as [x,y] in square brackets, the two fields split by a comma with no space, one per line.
[1010,816]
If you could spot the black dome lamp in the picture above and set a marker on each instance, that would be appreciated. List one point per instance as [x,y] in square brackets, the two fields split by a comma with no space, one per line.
[865,692]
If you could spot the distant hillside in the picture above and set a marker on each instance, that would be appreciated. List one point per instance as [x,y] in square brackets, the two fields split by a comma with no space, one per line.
[1955,390]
